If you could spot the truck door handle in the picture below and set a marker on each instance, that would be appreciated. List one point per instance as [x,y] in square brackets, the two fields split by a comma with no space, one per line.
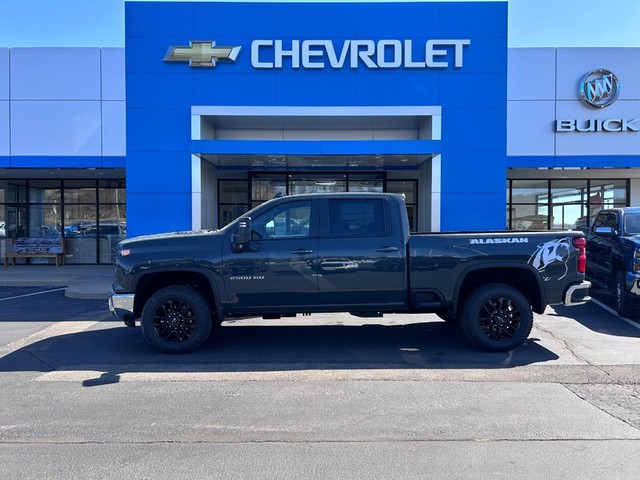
[387,249]
[302,251]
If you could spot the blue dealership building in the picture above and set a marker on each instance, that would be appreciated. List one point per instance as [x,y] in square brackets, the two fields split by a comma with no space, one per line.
[215,107]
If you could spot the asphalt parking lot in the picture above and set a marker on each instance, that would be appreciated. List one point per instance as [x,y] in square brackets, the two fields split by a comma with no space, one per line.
[83,332]
[320,396]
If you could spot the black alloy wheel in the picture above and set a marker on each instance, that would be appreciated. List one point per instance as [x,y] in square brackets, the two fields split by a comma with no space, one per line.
[623,305]
[497,317]
[176,319]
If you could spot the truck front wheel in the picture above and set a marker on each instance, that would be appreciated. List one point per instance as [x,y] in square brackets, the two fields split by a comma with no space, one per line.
[176,319]
[623,308]
[497,317]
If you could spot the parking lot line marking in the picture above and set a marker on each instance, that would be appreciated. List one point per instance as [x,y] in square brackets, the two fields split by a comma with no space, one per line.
[32,294]
[611,310]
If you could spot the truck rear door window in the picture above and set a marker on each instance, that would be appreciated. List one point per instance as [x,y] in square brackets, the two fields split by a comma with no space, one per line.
[356,218]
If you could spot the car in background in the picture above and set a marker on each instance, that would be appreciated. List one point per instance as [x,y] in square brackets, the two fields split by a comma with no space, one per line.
[613,256]
[102,230]
[76,229]
[531,222]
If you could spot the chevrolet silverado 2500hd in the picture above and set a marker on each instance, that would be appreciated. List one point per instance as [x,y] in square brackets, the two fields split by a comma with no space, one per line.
[343,253]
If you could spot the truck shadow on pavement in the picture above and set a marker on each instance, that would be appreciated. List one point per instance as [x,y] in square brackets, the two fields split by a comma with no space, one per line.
[597,319]
[114,349]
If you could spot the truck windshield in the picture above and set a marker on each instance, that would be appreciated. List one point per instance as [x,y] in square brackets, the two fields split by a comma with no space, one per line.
[632,223]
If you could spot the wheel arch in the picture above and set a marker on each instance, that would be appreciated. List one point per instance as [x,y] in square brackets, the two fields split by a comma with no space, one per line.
[150,282]
[522,277]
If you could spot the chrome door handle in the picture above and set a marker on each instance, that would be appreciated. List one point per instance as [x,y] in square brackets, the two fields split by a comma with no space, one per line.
[387,249]
[302,251]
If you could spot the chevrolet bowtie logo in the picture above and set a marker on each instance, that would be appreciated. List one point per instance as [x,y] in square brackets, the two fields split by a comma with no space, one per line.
[201,54]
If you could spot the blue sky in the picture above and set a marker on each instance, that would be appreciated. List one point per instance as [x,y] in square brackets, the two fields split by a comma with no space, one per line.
[532,23]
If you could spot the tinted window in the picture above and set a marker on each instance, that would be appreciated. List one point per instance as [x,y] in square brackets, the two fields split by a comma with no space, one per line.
[356,218]
[632,223]
[284,221]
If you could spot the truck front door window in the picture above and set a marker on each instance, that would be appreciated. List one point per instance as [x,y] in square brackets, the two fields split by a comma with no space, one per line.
[632,223]
[286,221]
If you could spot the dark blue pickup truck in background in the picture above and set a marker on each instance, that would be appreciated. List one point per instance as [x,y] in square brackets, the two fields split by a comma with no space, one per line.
[343,253]
[613,256]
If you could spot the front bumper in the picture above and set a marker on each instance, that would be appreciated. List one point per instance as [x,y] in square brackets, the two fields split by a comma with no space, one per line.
[577,294]
[634,291]
[121,305]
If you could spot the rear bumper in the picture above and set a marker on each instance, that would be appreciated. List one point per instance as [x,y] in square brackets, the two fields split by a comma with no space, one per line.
[577,294]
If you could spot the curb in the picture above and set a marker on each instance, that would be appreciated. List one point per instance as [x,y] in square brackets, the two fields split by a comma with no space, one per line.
[80,292]
[89,289]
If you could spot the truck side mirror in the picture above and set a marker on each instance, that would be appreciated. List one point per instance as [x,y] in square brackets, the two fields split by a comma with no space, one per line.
[242,235]
[605,231]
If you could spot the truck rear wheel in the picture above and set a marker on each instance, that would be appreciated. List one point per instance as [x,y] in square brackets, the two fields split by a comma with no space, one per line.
[176,319]
[497,317]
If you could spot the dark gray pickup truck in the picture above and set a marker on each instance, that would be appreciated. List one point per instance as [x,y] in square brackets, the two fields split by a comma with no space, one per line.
[343,253]
[613,246]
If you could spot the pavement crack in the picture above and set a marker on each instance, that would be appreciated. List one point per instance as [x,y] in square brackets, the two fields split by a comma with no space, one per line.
[322,441]
[51,367]
[572,352]
[602,409]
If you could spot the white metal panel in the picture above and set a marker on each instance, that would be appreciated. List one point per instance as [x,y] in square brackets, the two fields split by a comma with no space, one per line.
[4,127]
[530,127]
[352,111]
[635,192]
[436,192]
[196,192]
[114,120]
[598,143]
[55,128]
[113,74]
[4,74]
[55,73]
[531,74]
[574,63]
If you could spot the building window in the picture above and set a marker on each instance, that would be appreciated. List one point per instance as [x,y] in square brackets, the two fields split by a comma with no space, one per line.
[89,214]
[408,189]
[237,196]
[233,200]
[561,204]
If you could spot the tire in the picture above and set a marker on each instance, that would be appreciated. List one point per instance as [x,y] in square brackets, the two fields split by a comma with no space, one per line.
[497,317]
[176,319]
[621,295]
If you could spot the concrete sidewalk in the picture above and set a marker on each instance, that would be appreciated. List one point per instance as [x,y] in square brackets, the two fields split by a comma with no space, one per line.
[82,281]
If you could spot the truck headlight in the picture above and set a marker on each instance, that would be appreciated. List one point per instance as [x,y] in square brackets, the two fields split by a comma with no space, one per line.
[636,260]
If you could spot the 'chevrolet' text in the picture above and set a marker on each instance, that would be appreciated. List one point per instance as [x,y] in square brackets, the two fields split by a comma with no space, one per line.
[369,53]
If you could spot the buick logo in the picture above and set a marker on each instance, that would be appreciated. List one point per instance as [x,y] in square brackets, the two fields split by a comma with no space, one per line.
[599,88]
